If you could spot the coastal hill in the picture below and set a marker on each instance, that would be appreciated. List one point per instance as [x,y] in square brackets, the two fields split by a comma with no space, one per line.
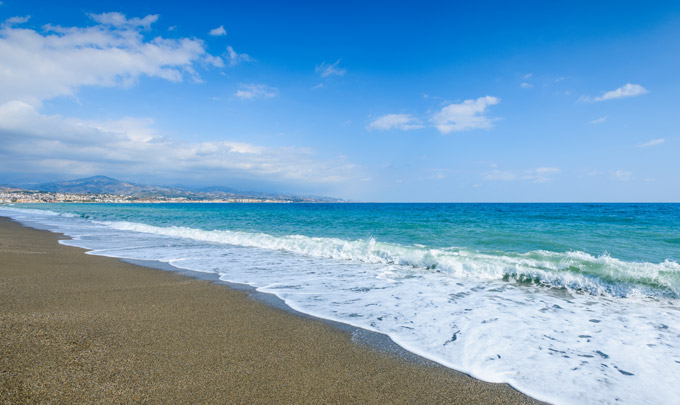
[111,186]
[105,185]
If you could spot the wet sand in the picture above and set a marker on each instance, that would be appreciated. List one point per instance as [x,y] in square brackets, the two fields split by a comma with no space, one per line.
[79,328]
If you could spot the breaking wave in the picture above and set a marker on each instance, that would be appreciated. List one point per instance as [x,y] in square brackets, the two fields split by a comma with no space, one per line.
[574,270]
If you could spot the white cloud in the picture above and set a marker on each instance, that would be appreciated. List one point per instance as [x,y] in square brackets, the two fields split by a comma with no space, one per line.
[526,85]
[527,76]
[34,143]
[627,90]
[17,20]
[218,32]
[403,122]
[119,20]
[500,175]
[539,175]
[326,70]
[252,91]
[652,142]
[236,58]
[437,175]
[470,114]
[622,175]
[38,66]
[597,121]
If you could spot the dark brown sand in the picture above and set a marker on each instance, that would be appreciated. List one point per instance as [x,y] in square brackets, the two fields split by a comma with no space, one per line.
[76,328]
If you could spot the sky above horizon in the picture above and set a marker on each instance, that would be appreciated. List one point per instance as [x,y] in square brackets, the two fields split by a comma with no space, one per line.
[379,101]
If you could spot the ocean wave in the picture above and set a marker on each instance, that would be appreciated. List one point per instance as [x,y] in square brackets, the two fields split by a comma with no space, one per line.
[574,270]
[531,338]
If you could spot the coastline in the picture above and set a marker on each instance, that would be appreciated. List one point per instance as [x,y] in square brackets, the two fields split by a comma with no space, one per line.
[88,328]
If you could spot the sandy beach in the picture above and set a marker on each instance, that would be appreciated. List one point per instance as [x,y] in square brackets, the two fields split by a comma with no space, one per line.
[78,328]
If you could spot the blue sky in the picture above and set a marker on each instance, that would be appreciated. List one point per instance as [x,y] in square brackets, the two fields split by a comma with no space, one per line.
[419,101]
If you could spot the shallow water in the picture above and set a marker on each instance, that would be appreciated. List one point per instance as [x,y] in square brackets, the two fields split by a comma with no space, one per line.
[570,303]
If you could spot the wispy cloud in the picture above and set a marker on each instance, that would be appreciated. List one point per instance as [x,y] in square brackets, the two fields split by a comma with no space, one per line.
[538,175]
[327,70]
[34,143]
[652,142]
[526,85]
[119,20]
[16,20]
[627,90]
[218,32]
[436,175]
[403,122]
[622,175]
[58,60]
[252,91]
[597,121]
[541,175]
[500,175]
[470,114]
[527,76]
[235,58]
[116,51]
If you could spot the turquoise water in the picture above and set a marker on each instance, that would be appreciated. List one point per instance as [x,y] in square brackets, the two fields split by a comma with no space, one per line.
[634,232]
[581,296]
[639,233]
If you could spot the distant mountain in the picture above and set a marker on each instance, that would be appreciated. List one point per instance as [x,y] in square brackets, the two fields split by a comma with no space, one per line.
[107,185]
[217,189]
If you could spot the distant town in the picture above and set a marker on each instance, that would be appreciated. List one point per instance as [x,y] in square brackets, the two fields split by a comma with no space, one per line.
[101,189]
[24,196]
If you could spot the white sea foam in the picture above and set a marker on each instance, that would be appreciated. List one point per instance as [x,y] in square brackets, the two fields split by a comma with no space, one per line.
[602,275]
[557,345]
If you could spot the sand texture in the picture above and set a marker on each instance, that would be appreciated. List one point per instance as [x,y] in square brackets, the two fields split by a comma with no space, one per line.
[77,328]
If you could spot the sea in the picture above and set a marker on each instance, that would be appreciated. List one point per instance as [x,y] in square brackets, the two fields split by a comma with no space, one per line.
[568,303]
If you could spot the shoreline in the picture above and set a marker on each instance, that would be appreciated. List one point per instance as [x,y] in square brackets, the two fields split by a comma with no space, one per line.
[375,340]
[90,328]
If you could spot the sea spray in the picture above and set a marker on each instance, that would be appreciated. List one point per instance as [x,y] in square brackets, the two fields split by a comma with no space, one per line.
[578,271]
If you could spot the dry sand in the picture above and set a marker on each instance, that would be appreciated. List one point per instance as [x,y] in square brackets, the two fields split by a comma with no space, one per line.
[76,328]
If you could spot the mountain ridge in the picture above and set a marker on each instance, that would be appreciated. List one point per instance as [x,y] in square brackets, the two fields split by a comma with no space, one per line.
[107,185]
